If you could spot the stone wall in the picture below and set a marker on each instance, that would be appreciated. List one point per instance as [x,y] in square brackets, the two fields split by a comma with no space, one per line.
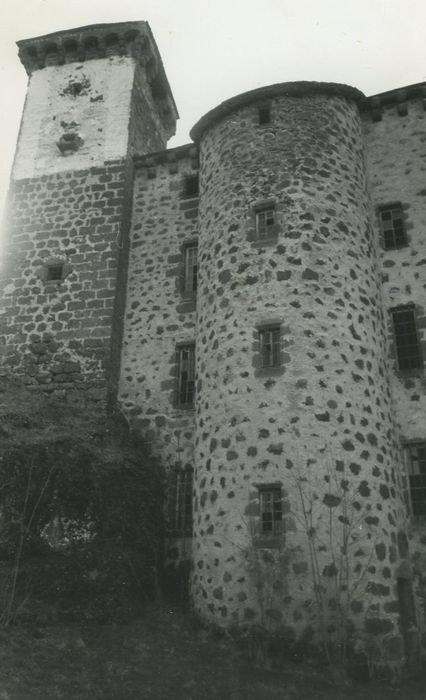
[158,316]
[148,133]
[397,174]
[92,99]
[396,153]
[322,424]
[57,334]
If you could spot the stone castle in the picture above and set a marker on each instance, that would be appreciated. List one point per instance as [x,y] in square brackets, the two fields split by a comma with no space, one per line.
[256,303]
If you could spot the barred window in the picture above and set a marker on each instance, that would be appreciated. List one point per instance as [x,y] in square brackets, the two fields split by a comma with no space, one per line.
[392,226]
[265,222]
[186,375]
[270,346]
[408,349]
[417,476]
[180,503]
[190,264]
[271,512]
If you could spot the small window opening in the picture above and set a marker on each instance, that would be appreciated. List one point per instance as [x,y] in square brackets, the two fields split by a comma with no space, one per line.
[191,268]
[75,89]
[271,511]
[191,186]
[270,346]
[265,220]
[417,476]
[407,343]
[69,142]
[186,375]
[264,113]
[392,226]
[55,273]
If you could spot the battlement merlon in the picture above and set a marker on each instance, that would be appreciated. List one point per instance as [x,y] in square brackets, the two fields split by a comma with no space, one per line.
[102,41]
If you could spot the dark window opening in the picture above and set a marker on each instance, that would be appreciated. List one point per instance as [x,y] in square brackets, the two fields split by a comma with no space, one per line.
[392,226]
[270,346]
[191,268]
[54,273]
[265,221]
[264,114]
[186,375]
[180,503]
[69,141]
[406,338]
[271,511]
[191,187]
[417,476]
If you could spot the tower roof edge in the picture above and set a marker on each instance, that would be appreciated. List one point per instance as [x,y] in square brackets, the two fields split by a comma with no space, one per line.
[263,94]
[99,41]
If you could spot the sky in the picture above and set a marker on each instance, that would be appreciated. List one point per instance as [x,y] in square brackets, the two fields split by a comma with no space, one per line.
[214,49]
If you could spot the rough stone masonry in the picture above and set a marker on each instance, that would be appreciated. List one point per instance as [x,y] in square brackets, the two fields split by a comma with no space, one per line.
[255,301]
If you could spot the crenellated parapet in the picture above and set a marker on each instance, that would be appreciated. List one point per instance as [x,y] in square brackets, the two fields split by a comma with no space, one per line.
[102,41]
[398,99]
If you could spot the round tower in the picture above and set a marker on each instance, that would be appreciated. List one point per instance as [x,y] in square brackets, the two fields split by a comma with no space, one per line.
[298,502]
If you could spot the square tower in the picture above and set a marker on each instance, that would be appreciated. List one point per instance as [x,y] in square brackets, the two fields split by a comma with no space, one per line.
[96,96]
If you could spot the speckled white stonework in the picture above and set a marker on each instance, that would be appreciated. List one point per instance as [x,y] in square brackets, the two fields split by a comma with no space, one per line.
[101,116]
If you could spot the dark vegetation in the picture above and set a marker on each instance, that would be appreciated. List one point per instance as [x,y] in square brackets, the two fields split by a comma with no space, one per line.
[163,655]
[80,508]
[81,608]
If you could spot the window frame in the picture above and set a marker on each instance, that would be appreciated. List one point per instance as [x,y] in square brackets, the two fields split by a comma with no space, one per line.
[180,510]
[269,231]
[54,262]
[271,505]
[190,270]
[274,332]
[416,478]
[390,234]
[188,392]
[400,340]
[265,230]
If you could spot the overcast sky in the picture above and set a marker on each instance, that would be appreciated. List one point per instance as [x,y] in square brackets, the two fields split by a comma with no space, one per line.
[213,49]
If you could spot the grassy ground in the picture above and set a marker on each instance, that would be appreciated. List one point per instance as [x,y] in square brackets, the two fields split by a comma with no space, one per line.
[162,656]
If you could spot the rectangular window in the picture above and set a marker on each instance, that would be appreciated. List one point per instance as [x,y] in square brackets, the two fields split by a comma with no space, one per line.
[190,186]
[270,346]
[180,503]
[417,476]
[186,375]
[392,226]
[271,511]
[264,114]
[406,338]
[265,222]
[54,273]
[190,264]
